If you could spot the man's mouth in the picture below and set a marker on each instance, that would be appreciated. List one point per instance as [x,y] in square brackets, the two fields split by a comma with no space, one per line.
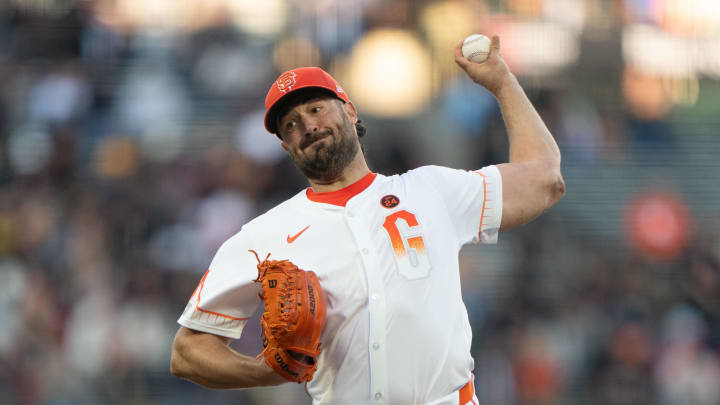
[315,138]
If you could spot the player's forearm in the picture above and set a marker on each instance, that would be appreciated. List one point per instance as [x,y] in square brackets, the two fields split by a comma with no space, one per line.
[207,360]
[529,138]
[228,371]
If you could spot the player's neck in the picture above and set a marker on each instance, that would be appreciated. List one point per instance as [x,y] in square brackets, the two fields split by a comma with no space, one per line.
[355,171]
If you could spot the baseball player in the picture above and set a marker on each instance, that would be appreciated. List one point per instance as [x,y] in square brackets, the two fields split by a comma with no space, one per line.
[384,248]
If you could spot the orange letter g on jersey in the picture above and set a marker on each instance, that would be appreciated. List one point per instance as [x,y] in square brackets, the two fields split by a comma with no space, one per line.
[405,234]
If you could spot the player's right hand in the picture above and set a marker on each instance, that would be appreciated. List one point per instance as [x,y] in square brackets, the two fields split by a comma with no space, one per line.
[493,73]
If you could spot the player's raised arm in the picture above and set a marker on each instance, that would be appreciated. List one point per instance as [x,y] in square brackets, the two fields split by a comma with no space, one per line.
[208,360]
[532,181]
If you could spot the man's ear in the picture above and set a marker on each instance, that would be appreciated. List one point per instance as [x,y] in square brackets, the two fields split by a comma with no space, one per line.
[351,111]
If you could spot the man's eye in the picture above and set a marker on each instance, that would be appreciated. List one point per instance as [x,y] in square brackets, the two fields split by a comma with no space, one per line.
[290,125]
[315,109]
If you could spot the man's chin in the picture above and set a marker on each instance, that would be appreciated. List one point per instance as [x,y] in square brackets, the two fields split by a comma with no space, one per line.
[321,168]
[325,160]
[320,150]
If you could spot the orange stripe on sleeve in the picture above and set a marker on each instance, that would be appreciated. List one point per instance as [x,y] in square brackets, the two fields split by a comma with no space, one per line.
[202,281]
[220,315]
[198,290]
[482,211]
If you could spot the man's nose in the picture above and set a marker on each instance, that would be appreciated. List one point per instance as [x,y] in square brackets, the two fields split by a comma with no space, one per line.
[309,125]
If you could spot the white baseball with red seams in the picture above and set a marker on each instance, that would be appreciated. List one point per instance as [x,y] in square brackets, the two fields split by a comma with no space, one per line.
[476,48]
[385,249]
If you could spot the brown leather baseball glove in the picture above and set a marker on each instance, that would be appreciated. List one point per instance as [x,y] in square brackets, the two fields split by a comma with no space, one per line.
[293,320]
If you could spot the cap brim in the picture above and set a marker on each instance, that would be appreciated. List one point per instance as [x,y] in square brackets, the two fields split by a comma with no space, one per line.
[271,115]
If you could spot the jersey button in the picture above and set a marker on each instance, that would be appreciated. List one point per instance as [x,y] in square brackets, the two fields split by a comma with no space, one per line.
[374,297]
[376,346]
[365,251]
[378,395]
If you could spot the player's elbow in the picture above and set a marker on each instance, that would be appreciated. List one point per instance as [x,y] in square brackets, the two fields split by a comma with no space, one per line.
[550,182]
[556,187]
[178,367]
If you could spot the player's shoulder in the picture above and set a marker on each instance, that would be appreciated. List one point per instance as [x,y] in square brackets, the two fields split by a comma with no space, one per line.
[429,170]
[431,173]
[443,173]
[274,218]
[278,214]
[428,178]
[441,178]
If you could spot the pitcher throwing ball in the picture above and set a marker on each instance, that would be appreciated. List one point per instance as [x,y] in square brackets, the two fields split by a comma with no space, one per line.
[383,249]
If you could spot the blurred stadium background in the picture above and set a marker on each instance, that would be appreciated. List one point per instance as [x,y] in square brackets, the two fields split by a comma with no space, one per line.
[132,145]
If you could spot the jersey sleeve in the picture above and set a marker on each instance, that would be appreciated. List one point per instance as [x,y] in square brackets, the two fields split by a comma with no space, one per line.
[473,200]
[226,296]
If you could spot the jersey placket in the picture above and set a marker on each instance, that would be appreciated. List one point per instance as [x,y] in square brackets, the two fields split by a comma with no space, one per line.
[358,225]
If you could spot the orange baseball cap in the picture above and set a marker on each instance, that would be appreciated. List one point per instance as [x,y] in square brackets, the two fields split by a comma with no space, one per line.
[294,80]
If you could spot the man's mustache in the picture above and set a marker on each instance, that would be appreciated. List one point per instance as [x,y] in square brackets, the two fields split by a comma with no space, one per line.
[314,137]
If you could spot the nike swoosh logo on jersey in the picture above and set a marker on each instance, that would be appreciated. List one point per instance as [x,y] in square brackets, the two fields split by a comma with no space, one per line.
[291,239]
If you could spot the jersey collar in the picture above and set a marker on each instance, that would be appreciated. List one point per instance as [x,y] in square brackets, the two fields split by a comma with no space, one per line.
[342,196]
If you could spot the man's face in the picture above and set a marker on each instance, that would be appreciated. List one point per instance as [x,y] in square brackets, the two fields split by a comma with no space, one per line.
[319,136]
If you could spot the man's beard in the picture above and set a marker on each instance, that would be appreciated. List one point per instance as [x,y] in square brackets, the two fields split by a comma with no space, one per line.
[329,160]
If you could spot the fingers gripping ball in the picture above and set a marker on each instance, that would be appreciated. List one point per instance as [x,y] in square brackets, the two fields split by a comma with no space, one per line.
[293,320]
[476,48]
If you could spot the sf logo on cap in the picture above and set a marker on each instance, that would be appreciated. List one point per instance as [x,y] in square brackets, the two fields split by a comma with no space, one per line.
[286,81]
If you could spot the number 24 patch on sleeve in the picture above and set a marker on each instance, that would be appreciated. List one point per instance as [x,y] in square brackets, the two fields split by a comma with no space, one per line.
[389,201]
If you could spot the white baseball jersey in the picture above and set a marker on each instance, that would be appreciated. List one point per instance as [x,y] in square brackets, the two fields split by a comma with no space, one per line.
[385,250]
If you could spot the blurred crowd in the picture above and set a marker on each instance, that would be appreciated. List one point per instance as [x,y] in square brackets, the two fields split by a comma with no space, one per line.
[129,154]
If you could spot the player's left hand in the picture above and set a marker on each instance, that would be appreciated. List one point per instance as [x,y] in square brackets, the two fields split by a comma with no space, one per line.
[293,320]
[493,73]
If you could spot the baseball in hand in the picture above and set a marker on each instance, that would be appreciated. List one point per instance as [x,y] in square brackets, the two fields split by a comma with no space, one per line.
[476,48]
